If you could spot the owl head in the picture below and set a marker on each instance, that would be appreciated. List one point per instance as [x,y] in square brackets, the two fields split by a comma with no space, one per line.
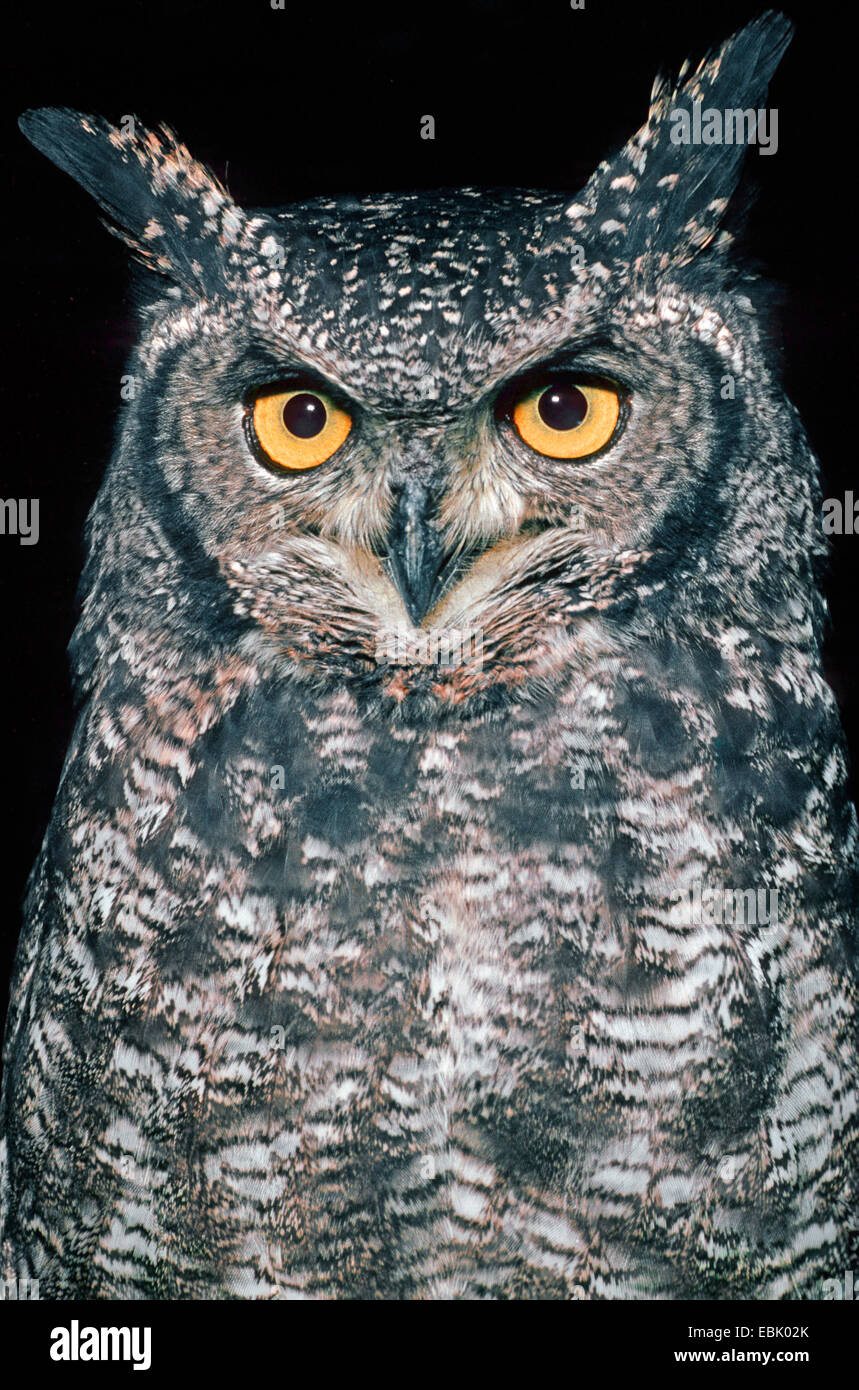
[362,423]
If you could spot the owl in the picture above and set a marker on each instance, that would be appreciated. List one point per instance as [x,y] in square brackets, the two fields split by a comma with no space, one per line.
[451,888]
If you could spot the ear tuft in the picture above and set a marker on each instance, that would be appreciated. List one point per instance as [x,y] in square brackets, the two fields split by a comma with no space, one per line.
[665,193]
[169,209]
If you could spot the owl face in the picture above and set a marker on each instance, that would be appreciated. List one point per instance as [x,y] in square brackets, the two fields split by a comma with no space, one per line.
[427,484]
[490,413]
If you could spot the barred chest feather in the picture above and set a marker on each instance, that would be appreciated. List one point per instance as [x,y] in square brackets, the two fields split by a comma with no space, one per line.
[343,1006]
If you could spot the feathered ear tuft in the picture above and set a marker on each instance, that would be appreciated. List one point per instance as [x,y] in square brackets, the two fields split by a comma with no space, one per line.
[166,207]
[665,193]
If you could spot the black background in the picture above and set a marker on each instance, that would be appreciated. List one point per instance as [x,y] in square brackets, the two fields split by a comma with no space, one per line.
[315,99]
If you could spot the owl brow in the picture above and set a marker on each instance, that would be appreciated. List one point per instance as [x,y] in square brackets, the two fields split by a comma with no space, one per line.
[586,357]
[258,366]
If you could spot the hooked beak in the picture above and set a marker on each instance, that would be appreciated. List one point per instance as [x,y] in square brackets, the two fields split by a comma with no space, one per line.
[415,552]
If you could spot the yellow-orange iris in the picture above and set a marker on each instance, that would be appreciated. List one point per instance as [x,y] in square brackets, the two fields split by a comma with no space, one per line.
[299,429]
[587,414]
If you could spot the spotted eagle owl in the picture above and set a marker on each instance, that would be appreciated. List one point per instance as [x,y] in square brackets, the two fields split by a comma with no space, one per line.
[450,891]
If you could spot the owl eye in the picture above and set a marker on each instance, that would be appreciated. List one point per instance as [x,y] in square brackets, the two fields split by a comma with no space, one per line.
[298,429]
[567,418]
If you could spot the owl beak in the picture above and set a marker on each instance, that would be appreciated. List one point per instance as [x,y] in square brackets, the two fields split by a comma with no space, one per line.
[415,552]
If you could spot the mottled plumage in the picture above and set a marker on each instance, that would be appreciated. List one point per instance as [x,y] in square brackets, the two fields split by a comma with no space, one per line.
[351,976]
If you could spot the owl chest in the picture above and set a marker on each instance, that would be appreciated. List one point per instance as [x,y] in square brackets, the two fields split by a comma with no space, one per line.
[395,979]
[439,951]
[393,936]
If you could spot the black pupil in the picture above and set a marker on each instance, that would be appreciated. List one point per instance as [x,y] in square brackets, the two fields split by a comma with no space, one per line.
[562,407]
[304,415]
